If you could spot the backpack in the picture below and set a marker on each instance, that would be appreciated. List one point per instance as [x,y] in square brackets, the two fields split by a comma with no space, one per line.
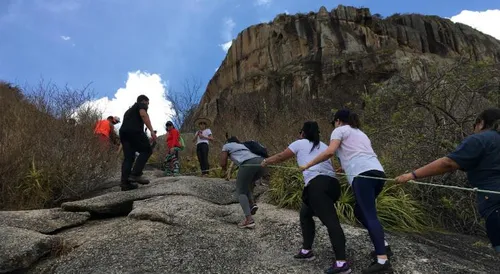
[181,141]
[256,148]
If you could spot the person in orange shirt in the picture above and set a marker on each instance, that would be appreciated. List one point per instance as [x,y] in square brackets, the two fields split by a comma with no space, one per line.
[172,163]
[105,130]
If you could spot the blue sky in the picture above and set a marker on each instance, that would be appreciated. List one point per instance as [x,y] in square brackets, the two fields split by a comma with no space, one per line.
[125,47]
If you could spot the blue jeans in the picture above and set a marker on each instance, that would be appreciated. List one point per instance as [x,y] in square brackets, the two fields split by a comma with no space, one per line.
[493,229]
[365,192]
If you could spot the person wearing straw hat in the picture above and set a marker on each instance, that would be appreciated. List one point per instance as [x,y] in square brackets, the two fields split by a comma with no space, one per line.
[479,156]
[202,138]
[357,157]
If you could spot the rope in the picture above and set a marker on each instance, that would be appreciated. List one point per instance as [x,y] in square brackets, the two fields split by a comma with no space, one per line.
[475,189]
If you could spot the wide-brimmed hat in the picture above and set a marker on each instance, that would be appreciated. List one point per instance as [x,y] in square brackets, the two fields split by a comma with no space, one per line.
[203,120]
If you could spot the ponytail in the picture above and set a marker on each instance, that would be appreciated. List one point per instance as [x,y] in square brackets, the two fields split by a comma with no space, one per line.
[310,130]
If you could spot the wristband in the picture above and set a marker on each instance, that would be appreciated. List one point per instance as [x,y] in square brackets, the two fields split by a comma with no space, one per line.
[414,175]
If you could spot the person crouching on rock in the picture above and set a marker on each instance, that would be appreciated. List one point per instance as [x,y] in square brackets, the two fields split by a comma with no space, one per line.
[249,171]
[479,156]
[320,193]
[358,158]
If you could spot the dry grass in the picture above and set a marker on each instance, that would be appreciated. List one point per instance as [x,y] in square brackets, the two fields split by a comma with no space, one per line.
[46,159]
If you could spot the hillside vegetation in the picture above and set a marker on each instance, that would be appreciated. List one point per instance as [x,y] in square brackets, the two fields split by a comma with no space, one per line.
[47,158]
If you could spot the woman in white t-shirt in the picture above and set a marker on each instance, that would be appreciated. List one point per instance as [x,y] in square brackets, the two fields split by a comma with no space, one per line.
[357,157]
[202,138]
[320,193]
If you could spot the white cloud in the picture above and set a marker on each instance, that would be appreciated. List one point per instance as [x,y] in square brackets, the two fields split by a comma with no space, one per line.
[227,34]
[151,85]
[484,21]
[225,47]
[263,2]
[65,38]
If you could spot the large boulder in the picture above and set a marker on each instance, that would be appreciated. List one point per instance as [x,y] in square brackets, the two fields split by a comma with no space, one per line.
[43,220]
[188,225]
[19,248]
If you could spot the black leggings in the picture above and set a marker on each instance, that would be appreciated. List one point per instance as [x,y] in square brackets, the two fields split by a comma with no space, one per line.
[493,229]
[202,153]
[319,198]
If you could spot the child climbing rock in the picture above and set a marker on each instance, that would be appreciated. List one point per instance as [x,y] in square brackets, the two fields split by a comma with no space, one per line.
[172,163]
[320,193]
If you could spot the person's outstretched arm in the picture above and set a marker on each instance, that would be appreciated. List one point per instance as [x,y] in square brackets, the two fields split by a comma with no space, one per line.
[325,155]
[279,157]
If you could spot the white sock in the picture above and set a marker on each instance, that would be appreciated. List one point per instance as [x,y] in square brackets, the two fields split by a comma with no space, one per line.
[386,243]
[381,261]
[340,264]
[305,251]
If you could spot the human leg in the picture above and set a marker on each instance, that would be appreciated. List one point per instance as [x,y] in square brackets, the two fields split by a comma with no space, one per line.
[142,145]
[493,229]
[365,191]
[128,162]
[199,155]
[324,191]
[204,154]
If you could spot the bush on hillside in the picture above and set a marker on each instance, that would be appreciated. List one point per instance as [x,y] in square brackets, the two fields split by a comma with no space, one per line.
[397,210]
[47,157]
[412,123]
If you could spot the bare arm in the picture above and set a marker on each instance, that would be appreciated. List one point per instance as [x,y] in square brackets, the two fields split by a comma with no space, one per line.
[223,160]
[327,154]
[438,167]
[279,157]
[145,118]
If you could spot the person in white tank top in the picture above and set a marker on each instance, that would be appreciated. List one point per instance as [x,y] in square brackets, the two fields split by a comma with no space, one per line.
[320,193]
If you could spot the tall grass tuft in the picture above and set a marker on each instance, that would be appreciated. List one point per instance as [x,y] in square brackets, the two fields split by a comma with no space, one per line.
[397,211]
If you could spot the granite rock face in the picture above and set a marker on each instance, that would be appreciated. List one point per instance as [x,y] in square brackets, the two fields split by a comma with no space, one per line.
[188,225]
[328,56]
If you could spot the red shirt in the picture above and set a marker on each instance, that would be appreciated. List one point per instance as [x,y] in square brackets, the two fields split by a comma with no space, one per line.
[173,138]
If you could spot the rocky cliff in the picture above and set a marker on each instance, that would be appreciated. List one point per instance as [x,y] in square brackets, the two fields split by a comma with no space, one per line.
[188,225]
[327,58]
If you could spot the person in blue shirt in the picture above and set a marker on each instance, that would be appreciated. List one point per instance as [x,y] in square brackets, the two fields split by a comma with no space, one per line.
[479,156]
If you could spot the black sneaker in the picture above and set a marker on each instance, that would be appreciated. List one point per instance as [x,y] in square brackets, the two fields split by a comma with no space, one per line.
[388,252]
[138,179]
[254,209]
[377,268]
[334,269]
[128,186]
[305,256]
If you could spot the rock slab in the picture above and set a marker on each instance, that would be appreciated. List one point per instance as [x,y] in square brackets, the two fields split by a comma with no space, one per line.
[20,248]
[43,220]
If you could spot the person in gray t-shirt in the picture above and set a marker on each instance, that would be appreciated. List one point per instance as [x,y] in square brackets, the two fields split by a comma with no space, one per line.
[249,171]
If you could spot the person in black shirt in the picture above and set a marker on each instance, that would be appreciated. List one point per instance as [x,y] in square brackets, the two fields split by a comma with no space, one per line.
[134,139]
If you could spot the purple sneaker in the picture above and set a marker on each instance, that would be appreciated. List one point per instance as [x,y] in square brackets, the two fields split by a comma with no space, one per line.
[335,269]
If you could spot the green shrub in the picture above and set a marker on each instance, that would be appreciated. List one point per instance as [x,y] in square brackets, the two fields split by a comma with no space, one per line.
[397,211]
